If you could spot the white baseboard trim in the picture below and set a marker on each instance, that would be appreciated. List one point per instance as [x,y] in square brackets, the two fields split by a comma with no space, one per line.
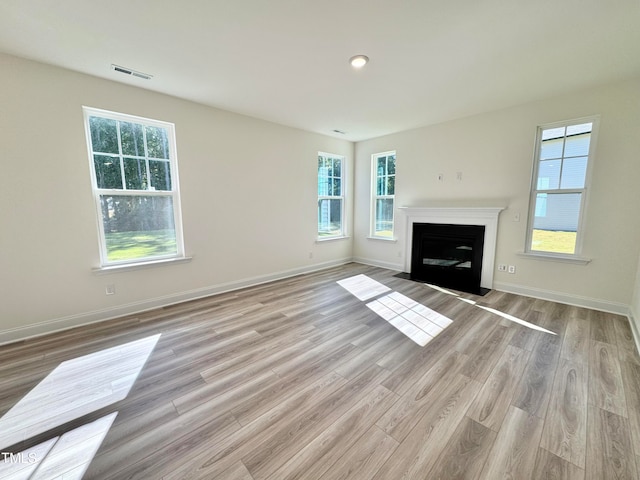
[569,299]
[399,267]
[65,323]
[634,318]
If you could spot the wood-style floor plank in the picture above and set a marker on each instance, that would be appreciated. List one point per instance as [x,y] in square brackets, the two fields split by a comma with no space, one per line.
[624,340]
[363,459]
[605,387]
[631,381]
[436,383]
[609,451]
[576,341]
[535,386]
[420,449]
[514,452]
[602,328]
[323,451]
[550,467]
[298,378]
[466,452]
[491,404]
[565,429]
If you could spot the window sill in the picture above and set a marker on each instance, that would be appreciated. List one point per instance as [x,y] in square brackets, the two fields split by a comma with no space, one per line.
[384,239]
[555,258]
[139,266]
[331,239]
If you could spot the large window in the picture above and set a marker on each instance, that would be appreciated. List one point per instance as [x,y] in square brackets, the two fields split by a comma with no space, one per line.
[135,184]
[562,162]
[383,190]
[330,196]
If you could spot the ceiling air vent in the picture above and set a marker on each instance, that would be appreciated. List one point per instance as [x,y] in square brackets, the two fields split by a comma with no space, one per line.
[128,71]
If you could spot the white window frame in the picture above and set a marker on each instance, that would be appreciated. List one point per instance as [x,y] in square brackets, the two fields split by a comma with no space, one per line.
[174,193]
[577,255]
[375,197]
[342,197]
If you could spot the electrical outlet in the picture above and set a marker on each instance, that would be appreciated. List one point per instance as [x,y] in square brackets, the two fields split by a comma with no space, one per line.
[440,177]
[512,269]
[310,254]
[502,267]
[459,176]
[110,289]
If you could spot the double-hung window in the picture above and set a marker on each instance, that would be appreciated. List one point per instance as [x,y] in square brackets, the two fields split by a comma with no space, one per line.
[330,196]
[383,190]
[135,185]
[563,158]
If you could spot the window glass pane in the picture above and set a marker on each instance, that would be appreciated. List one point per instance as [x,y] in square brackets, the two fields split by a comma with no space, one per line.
[577,145]
[380,186]
[382,166]
[384,217]
[550,133]
[135,174]
[157,142]
[549,174]
[132,139]
[577,129]
[337,167]
[108,174]
[104,135]
[337,187]
[323,179]
[551,148]
[574,172]
[138,227]
[541,205]
[391,165]
[555,229]
[391,185]
[329,217]
[160,174]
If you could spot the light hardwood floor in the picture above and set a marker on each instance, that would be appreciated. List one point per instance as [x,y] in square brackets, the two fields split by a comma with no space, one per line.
[300,379]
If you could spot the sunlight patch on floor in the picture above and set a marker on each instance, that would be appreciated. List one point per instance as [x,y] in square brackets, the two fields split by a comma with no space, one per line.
[416,321]
[363,287]
[75,388]
[66,457]
[492,310]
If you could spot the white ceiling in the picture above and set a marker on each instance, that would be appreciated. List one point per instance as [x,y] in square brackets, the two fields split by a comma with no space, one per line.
[287,60]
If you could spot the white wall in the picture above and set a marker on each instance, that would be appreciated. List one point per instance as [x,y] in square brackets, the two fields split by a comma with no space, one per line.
[249,200]
[494,152]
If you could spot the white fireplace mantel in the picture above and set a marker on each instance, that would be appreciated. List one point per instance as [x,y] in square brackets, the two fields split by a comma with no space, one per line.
[485,216]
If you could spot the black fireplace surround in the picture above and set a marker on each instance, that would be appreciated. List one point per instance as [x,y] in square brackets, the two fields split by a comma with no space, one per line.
[448,255]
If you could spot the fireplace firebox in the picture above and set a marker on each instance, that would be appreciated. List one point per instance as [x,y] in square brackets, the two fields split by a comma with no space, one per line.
[448,255]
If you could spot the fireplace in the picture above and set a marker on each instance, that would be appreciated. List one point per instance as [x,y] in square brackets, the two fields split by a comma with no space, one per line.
[448,255]
[486,217]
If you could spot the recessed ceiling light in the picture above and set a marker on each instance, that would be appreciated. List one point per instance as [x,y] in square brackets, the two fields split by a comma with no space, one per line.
[358,61]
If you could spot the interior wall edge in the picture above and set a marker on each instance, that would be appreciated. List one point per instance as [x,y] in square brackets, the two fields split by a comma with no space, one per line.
[634,318]
[65,323]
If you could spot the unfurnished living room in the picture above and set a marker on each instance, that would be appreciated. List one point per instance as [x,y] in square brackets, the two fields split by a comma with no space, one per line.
[320,240]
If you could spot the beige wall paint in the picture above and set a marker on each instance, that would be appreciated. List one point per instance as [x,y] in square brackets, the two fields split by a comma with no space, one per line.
[248,188]
[494,152]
